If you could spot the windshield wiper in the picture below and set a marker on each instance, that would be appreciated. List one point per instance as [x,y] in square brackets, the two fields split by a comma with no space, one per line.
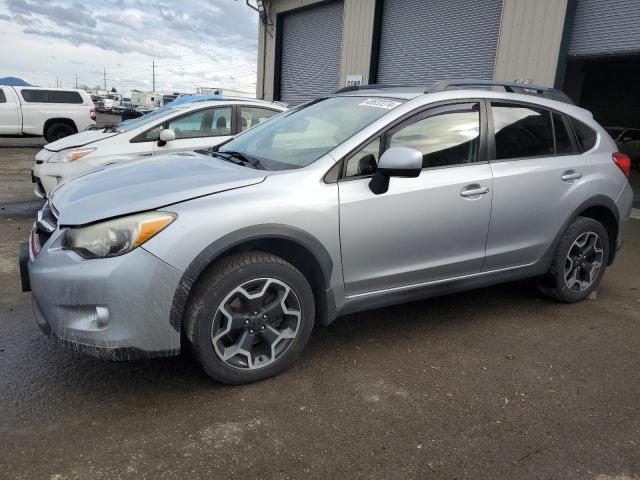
[240,159]
[110,128]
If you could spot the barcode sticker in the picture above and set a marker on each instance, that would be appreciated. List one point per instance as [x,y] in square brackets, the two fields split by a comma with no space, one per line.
[380,103]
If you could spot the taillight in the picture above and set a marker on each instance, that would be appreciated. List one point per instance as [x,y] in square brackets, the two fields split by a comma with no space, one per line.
[623,162]
[92,113]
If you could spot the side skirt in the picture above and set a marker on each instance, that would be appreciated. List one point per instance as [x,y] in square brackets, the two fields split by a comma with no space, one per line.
[384,298]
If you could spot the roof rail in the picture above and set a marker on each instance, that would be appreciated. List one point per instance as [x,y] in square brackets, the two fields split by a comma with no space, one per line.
[511,87]
[372,86]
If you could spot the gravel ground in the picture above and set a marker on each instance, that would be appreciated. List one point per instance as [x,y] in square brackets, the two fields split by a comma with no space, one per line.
[493,383]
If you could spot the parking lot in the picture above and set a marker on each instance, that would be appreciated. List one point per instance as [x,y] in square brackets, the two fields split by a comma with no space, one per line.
[492,383]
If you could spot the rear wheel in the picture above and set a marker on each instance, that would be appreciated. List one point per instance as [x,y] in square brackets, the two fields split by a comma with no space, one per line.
[250,317]
[579,261]
[56,131]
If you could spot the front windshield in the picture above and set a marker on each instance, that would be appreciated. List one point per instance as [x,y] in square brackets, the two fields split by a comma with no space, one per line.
[145,119]
[301,136]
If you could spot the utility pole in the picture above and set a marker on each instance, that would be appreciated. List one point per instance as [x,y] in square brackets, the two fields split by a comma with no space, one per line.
[153,74]
[76,80]
[105,78]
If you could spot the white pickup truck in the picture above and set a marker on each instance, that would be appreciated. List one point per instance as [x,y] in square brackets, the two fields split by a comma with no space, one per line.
[50,112]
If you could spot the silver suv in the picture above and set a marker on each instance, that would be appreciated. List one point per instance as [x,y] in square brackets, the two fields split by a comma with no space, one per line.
[368,197]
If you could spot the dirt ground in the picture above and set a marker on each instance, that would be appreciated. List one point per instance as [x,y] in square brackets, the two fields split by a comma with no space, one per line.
[496,383]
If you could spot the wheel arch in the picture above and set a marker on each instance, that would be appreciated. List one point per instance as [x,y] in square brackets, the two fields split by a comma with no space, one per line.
[600,208]
[294,245]
[52,121]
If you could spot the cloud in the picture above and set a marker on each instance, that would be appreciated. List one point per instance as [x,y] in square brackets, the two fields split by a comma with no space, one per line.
[74,14]
[193,42]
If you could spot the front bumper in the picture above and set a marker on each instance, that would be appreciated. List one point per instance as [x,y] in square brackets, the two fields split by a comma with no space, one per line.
[116,308]
[48,175]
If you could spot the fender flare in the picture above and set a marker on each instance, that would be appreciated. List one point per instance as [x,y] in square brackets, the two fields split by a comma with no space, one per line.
[235,238]
[595,201]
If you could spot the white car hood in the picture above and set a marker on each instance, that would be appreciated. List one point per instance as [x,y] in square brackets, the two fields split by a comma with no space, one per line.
[79,139]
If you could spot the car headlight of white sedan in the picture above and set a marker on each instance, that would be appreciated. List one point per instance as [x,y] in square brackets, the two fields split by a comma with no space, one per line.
[116,237]
[66,156]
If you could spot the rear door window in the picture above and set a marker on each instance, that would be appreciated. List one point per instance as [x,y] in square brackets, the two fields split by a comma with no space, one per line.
[585,135]
[522,131]
[252,116]
[51,96]
[564,145]
[209,122]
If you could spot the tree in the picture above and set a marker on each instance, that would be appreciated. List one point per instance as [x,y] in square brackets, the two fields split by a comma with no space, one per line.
[113,90]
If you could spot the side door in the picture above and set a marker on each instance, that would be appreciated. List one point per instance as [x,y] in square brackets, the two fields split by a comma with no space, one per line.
[422,229]
[198,129]
[10,116]
[539,179]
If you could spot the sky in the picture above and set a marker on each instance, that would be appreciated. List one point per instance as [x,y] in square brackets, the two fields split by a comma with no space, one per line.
[206,43]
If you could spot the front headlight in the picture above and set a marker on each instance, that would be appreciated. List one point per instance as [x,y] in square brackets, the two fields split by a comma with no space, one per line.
[70,155]
[116,237]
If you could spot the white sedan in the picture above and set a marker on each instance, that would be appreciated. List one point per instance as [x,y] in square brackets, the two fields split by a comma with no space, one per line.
[185,127]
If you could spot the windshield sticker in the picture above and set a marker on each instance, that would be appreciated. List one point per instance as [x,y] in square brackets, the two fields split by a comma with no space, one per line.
[380,103]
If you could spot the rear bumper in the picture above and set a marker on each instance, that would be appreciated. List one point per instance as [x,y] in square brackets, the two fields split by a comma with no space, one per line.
[624,204]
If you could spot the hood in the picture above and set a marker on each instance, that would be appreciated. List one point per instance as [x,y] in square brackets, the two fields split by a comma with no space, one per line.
[79,139]
[146,185]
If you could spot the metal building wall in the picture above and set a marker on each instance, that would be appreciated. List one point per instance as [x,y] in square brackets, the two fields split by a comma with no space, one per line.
[423,41]
[310,53]
[605,28]
[357,33]
[267,44]
[530,38]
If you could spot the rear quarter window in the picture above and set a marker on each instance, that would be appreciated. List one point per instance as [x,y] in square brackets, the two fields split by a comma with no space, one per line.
[51,96]
[585,135]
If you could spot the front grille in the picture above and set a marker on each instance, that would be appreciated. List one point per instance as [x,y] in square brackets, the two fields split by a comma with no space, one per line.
[46,224]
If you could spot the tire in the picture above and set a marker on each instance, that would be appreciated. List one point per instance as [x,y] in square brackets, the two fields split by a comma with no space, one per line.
[56,131]
[274,327]
[571,258]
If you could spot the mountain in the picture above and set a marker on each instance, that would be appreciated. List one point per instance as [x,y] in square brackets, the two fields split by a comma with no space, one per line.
[14,82]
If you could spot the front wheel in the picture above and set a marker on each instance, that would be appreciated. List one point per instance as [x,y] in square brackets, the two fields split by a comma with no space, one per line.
[250,317]
[579,261]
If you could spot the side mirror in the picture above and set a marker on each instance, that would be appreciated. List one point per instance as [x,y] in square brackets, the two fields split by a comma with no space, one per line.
[166,135]
[396,162]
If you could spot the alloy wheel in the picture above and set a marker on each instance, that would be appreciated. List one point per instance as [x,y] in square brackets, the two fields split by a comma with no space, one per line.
[256,323]
[583,261]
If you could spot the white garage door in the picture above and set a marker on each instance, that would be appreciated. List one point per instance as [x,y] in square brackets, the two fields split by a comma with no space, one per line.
[423,41]
[310,55]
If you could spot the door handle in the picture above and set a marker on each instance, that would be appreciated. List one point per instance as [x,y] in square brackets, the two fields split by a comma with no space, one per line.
[571,175]
[474,190]
[145,154]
